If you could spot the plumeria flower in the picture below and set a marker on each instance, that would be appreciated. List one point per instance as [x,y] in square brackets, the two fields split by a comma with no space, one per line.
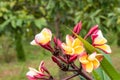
[43,37]
[34,74]
[99,41]
[72,46]
[90,62]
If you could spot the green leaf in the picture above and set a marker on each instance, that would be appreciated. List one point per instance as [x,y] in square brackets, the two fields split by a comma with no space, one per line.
[97,75]
[3,25]
[105,76]
[40,22]
[51,4]
[13,23]
[19,22]
[109,69]
[96,13]
[106,65]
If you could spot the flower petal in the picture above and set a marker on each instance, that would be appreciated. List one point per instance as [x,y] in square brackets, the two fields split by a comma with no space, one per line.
[44,36]
[68,50]
[99,57]
[106,48]
[96,63]
[83,59]
[40,66]
[32,72]
[31,78]
[69,40]
[76,42]
[92,56]
[33,43]
[99,39]
[88,67]
[78,50]
[47,33]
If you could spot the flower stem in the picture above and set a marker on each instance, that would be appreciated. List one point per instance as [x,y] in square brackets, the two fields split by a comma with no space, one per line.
[82,72]
[85,75]
[67,78]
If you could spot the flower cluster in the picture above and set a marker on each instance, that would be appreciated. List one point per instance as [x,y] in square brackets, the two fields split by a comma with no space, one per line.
[65,53]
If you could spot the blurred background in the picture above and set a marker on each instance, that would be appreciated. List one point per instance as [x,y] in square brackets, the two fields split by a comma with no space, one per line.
[20,20]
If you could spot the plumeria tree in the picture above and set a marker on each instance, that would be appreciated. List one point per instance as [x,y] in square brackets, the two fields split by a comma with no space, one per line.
[91,51]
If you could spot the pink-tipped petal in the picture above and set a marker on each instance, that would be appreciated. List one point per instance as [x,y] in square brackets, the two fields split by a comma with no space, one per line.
[40,66]
[69,40]
[43,37]
[99,40]
[32,72]
[31,78]
[106,48]
[83,59]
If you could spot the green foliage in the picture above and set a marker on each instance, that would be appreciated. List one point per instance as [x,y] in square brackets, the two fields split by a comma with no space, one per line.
[40,22]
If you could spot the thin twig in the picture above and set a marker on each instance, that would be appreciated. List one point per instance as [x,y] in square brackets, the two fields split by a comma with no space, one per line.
[67,78]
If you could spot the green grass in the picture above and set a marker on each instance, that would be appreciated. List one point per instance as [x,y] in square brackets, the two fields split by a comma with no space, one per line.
[17,70]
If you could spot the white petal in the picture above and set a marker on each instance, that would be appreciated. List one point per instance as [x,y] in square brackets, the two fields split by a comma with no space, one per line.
[32,72]
[100,39]
[92,56]
[33,42]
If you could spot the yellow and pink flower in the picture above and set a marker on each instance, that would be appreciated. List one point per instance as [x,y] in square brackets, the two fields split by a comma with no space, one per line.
[99,41]
[72,46]
[43,37]
[90,62]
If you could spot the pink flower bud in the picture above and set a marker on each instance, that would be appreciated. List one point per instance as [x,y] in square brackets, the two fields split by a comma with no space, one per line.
[73,58]
[91,31]
[77,28]
[56,60]
[57,42]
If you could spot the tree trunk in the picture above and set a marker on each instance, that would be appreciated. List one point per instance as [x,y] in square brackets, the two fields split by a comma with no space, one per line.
[62,74]
[118,40]
[18,44]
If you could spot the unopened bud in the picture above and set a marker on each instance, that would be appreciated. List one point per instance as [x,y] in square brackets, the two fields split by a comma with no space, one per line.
[73,58]
[91,31]
[77,28]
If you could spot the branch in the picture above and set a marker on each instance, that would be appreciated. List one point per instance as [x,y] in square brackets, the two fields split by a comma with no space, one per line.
[67,78]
